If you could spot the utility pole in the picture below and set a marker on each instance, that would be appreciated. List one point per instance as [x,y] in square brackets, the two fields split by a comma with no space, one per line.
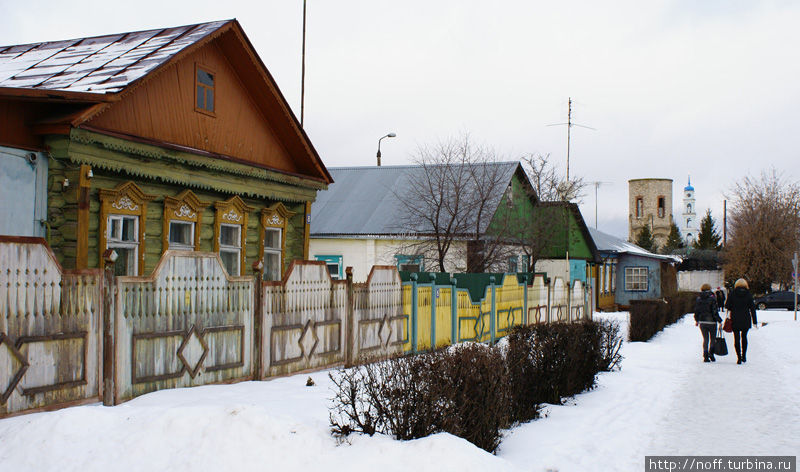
[794,275]
[569,124]
[596,184]
[303,70]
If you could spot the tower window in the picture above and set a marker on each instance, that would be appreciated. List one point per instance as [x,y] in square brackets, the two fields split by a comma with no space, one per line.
[661,207]
[639,207]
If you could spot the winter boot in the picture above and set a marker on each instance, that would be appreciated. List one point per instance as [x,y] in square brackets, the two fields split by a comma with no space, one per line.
[711,357]
[705,358]
[744,358]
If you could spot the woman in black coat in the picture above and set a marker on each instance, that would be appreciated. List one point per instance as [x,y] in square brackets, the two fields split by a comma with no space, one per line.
[741,309]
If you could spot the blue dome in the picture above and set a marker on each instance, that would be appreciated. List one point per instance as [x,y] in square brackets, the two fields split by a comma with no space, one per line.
[689,186]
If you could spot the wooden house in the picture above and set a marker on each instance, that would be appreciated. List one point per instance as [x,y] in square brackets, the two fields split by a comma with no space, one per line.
[140,142]
[359,222]
[627,272]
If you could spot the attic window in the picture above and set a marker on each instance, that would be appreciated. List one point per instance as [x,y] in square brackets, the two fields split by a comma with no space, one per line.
[204,90]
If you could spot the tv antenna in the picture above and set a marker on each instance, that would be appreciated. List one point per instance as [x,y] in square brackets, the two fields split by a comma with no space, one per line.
[597,185]
[570,124]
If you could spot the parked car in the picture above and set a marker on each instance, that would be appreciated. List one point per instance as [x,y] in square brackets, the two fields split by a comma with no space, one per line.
[782,299]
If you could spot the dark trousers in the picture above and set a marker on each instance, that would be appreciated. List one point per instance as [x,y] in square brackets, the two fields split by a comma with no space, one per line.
[740,342]
[709,333]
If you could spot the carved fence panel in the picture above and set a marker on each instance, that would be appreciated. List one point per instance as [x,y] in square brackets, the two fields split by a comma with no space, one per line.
[538,300]
[50,322]
[380,327]
[187,324]
[577,301]
[559,300]
[304,320]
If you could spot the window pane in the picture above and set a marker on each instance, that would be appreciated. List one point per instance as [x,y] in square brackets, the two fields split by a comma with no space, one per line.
[229,236]
[201,97]
[180,233]
[230,260]
[272,266]
[129,229]
[205,78]
[409,267]
[272,238]
[333,269]
[115,229]
[210,99]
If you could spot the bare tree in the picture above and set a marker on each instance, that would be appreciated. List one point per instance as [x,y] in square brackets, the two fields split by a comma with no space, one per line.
[450,199]
[548,183]
[764,230]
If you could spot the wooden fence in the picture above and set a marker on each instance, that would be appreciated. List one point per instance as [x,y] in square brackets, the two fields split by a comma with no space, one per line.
[68,337]
[50,330]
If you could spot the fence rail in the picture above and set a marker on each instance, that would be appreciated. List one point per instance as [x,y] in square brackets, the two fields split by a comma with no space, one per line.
[75,336]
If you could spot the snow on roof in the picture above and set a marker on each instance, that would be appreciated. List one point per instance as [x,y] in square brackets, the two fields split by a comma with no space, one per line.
[101,64]
[608,243]
[364,201]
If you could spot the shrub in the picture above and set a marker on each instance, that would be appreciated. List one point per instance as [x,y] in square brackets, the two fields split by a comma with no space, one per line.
[648,317]
[462,390]
[473,390]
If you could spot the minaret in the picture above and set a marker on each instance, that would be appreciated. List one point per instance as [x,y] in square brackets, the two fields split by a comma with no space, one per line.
[689,216]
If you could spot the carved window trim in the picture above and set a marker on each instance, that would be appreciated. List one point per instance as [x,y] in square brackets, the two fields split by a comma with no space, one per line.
[183,207]
[275,216]
[126,199]
[232,211]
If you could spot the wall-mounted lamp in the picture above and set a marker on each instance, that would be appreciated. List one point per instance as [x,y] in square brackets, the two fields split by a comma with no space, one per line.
[89,174]
[65,184]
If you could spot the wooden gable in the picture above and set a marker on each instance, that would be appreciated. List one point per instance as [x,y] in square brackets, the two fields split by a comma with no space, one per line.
[251,122]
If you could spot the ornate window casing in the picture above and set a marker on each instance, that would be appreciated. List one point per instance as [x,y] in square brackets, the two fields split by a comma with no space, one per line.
[182,217]
[410,263]
[274,223]
[230,215]
[123,212]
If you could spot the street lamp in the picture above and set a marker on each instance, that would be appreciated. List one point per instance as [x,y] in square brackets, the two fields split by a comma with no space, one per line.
[390,135]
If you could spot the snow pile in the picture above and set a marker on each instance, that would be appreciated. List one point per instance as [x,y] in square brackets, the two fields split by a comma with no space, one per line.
[665,400]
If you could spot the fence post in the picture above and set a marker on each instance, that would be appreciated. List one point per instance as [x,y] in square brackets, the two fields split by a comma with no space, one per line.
[258,317]
[549,299]
[494,311]
[453,312]
[414,312]
[109,290]
[350,329]
[525,300]
[433,311]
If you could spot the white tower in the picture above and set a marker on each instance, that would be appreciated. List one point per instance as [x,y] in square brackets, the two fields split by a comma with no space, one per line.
[689,216]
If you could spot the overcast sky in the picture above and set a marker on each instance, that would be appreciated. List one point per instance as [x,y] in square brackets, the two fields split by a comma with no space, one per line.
[672,88]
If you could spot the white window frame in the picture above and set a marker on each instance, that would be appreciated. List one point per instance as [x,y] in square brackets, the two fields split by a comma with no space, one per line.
[181,246]
[233,249]
[116,241]
[635,277]
[272,250]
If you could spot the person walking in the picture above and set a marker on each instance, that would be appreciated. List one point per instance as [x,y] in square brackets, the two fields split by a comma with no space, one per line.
[720,298]
[741,309]
[706,316]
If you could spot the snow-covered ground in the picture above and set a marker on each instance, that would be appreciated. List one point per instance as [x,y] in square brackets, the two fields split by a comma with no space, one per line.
[664,401]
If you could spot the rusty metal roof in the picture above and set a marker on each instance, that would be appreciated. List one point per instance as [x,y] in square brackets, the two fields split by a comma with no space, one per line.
[101,64]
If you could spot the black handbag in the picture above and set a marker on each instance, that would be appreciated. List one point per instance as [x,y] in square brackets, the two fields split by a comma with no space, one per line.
[720,347]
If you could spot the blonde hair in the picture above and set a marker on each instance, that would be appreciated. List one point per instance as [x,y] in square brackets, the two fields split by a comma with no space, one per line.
[741,283]
[705,287]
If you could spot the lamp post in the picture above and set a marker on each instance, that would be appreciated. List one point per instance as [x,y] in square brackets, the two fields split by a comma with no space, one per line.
[390,135]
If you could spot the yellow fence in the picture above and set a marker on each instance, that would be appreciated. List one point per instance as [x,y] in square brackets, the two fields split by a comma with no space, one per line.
[441,315]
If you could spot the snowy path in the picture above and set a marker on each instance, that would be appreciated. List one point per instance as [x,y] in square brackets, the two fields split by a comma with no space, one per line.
[664,401]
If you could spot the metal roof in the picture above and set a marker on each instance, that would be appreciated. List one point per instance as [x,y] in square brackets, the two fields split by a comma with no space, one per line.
[100,64]
[364,201]
[608,243]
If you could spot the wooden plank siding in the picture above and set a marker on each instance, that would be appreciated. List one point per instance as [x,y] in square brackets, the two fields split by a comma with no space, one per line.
[163,110]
